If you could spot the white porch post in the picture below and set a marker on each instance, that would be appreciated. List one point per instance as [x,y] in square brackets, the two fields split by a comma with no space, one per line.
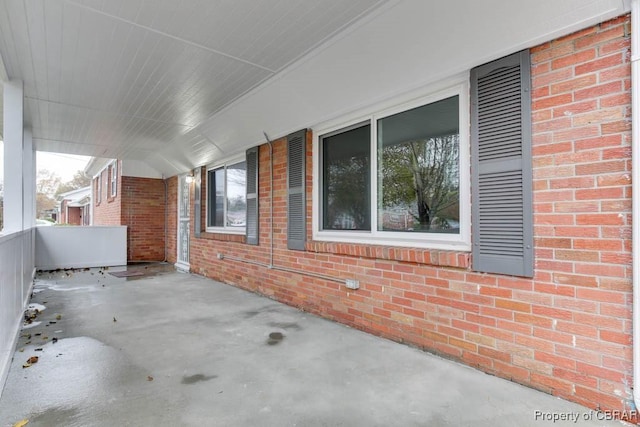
[13,156]
[28,180]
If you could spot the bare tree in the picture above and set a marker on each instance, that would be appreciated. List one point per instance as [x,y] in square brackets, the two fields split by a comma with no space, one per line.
[422,176]
[79,180]
[47,183]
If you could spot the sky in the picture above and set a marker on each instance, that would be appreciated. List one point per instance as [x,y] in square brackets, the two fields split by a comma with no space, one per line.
[64,165]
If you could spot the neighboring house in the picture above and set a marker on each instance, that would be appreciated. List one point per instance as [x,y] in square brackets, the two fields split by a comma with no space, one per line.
[52,214]
[74,207]
[127,192]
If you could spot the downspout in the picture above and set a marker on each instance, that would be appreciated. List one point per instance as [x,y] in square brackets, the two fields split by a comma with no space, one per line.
[635,188]
[270,200]
[166,216]
[271,265]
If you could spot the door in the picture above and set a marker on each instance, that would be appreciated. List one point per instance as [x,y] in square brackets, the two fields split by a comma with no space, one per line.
[183,223]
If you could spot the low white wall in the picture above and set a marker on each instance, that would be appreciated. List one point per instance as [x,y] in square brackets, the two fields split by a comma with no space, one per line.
[74,247]
[16,279]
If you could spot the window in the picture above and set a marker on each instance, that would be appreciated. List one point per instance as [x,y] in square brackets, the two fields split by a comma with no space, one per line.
[226,197]
[346,170]
[418,168]
[400,177]
[114,179]
[99,188]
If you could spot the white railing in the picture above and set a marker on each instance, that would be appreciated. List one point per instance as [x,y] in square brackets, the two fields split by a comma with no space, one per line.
[16,278]
[47,248]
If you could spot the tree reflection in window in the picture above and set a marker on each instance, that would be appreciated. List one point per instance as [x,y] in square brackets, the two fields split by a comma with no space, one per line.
[345,180]
[418,172]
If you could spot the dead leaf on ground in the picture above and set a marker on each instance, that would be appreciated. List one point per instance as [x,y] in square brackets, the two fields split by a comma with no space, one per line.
[58,316]
[21,423]
[26,365]
[32,359]
[149,378]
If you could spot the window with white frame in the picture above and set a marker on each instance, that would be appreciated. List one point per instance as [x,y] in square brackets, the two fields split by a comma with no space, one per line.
[99,188]
[226,197]
[398,177]
[114,179]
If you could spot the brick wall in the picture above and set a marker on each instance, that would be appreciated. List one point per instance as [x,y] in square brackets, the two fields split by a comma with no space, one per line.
[108,211]
[567,331]
[75,216]
[63,212]
[172,219]
[139,204]
[143,212]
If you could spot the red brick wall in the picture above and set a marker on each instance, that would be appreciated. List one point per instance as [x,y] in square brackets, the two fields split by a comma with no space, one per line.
[75,216]
[108,211]
[139,204]
[567,331]
[63,212]
[172,219]
[143,212]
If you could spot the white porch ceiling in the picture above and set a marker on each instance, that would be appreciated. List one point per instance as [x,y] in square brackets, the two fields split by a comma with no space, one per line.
[180,83]
[126,78]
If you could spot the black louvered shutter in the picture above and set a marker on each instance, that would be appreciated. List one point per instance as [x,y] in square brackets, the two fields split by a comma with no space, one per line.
[296,212]
[502,212]
[253,228]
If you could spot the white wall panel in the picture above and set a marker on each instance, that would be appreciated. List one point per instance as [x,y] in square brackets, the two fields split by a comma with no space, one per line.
[16,274]
[74,247]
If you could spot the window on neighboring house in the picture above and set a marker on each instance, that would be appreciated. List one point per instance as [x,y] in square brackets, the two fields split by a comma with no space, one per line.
[399,177]
[114,179]
[99,188]
[226,197]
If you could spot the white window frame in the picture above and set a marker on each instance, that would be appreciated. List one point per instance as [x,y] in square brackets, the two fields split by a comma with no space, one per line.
[223,229]
[439,241]
[113,187]
[99,189]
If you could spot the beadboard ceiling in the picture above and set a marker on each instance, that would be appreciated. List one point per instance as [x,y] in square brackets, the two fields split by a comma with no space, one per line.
[126,78]
[179,83]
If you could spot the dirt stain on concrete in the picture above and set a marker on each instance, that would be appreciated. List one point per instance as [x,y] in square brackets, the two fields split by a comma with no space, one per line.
[197,378]
[275,338]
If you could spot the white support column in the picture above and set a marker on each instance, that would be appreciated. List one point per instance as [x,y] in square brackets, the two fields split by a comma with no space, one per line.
[13,156]
[28,180]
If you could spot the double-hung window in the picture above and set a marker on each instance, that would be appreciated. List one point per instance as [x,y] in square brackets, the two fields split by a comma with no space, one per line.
[99,188]
[113,187]
[226,197]
[398,177]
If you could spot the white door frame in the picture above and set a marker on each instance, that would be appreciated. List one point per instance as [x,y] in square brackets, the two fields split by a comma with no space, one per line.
[183,224]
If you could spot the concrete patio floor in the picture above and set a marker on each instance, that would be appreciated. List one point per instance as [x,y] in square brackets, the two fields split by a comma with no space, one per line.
[164,348]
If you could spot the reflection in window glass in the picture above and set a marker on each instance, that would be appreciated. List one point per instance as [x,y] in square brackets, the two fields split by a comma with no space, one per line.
[236,195]
[345,180]
[418,169]
[226,196]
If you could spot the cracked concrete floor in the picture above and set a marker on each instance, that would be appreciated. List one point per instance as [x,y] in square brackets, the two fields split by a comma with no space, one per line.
[164,348]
